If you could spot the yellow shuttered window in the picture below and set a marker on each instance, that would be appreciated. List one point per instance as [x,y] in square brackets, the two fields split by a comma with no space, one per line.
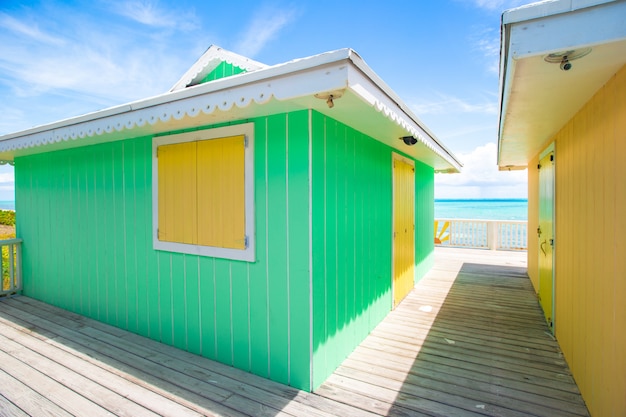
[204,193]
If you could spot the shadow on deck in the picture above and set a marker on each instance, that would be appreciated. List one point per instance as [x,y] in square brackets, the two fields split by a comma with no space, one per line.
[469,340]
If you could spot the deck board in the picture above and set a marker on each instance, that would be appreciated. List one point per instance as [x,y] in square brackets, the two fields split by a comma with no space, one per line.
[469,340]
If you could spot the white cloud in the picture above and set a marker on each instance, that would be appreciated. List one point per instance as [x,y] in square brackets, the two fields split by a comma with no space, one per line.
[102,62]
[264,27]
[150,13]
[7,178]
[28,30]
[487,42]
[480,178]
[446,104]
[499,5]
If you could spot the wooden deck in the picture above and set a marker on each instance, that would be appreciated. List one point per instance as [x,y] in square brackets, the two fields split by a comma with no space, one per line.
[468,341]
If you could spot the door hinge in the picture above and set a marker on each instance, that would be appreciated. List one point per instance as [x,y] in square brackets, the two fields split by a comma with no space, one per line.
[552,242]
[246,242]
[158,234]
[552,158]
[246,141]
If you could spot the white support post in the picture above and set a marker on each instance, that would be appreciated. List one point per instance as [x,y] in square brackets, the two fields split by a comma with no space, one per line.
[492,235]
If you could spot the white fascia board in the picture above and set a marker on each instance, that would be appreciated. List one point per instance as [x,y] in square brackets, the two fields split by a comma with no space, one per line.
[279,83]
[570,28]
[331,71]
[547,8]
[553,26]
[378,94]
[229,83]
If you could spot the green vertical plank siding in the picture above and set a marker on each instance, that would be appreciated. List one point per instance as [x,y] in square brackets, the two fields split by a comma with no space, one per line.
[298,248]
[223,311]
[424,218]
[85,215]
[352,224]
[178,280]
[191,286]
[240,315]
[86,220]
[277,247]
[259,306]
[223,70]
[208,296]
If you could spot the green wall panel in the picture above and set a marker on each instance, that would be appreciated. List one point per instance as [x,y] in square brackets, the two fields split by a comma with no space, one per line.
[424,218]
[223,70]
[351,242]
[86,218]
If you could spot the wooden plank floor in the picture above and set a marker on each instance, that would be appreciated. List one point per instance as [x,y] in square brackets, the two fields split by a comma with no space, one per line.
[469,340]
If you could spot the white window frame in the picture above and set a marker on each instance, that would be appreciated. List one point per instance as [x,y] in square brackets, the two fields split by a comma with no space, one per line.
[247,254]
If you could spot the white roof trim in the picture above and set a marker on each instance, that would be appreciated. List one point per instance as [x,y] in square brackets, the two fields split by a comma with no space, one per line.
[290,81]
[538,29]
[209,61]
[547,8]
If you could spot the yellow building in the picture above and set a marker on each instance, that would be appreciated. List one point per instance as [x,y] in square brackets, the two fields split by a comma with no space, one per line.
[563,115]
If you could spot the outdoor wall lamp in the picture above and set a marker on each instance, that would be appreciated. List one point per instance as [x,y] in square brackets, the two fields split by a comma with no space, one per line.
[564,58]
[409,140]
[330,97]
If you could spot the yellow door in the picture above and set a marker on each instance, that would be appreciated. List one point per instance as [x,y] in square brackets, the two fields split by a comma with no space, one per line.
[545,233]
[403,228]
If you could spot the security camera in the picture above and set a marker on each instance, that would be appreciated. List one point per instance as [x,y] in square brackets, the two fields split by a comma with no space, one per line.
[409,140]
[565,64]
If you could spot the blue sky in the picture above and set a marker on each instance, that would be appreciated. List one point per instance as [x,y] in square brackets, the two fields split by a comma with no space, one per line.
[62,59]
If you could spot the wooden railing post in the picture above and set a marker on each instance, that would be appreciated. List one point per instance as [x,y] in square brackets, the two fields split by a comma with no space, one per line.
[14,267]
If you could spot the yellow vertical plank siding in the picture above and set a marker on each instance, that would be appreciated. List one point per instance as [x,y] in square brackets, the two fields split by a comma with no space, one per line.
[177,193]
[590,263]
[221,193]
[619,245]
[403,229]
[533,222]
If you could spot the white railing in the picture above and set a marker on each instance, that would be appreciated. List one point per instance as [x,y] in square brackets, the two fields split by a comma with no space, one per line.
[485,234]
[11,266]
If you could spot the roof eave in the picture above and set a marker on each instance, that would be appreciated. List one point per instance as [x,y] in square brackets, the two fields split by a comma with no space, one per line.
[284,83]
[530,33]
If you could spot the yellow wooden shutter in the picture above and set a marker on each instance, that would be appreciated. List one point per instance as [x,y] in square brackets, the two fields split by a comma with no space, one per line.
[177,193]
[221,191]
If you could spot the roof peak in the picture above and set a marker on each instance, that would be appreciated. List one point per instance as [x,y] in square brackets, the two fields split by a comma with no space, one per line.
[210,60]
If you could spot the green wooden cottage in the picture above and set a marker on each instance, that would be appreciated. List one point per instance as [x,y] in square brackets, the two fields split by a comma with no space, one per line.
[267,217]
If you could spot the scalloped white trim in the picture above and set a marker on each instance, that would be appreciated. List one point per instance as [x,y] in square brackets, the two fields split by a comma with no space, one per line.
[177,110]
[390,109]
[210,60]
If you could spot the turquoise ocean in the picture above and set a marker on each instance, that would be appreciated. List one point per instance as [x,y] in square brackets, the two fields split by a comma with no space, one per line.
[7,205]
[510,209]
[487,209]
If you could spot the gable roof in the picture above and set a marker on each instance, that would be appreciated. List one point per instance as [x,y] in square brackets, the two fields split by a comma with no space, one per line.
[209,61]
[537,97]
[362,101]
